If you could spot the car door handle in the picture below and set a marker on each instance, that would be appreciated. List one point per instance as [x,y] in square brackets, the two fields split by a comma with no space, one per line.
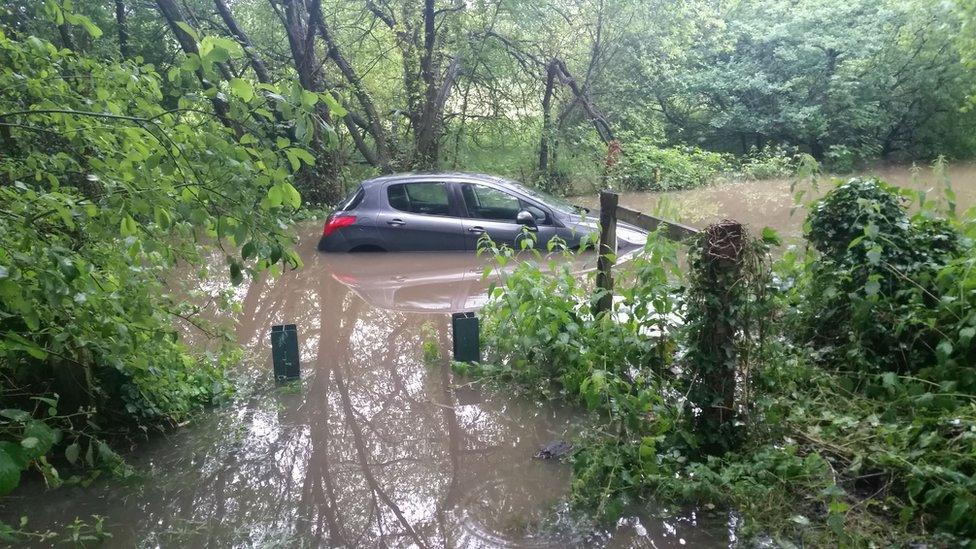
[396,222]
[476,230]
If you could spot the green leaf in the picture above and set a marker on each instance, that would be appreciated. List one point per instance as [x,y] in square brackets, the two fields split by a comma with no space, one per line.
[959,509]
[872,287]
[296,163]
[275,196]
[309,99]
[128,226]
[189,30]
[874,255]
[42,435]
[242,89]
[249,250]
[303,155]
[162,217]
[771,237]
[334,106]
[72,452]
[236,274]
[291,195]
[90,27]
[15,414]
[9,473]
[801,520]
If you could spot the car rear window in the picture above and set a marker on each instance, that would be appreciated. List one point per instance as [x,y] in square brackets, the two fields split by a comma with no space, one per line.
[420,198]
[352,201]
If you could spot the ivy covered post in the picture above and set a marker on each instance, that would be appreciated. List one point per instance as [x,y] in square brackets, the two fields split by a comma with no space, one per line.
[718,314]
[607,250]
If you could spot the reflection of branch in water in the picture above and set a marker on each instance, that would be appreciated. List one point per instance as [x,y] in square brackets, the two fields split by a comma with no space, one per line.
[454,432]
[318,471]
[249,309]
[352,421]
[357,433]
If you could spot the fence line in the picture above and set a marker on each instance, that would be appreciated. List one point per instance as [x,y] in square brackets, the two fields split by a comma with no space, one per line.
[610,212]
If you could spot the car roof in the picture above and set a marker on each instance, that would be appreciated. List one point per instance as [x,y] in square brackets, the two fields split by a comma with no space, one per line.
[442,176]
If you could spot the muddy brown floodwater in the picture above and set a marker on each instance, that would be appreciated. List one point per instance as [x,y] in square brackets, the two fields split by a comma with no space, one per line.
[770,202]
[373,448]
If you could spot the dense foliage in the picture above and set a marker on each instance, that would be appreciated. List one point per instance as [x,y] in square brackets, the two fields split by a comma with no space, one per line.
[854,415]
[109,184]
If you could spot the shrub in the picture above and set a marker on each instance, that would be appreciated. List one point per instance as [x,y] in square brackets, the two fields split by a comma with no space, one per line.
[874,290]
[645,166]
[104,190]
[768,163]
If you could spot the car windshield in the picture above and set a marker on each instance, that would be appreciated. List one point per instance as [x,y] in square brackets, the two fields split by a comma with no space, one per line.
[556,202]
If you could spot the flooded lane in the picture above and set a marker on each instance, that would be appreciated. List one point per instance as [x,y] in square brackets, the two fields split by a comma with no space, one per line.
[375,447]
[770,202]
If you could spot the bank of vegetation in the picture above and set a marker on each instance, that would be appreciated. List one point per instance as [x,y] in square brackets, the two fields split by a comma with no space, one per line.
[131,133]
[849,412]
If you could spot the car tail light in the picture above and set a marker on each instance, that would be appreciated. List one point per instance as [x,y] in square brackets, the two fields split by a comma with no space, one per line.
[334,223]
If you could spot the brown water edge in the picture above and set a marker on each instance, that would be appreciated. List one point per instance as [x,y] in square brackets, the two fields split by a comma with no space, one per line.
[770,202]
[373,448]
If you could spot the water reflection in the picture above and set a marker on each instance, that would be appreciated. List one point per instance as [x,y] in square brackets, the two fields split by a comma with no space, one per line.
[373,448]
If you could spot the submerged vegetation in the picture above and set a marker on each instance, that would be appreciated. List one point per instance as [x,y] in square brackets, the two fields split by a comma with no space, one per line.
[854,411]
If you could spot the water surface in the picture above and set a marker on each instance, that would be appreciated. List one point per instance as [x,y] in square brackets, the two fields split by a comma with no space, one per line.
[772,202]
[375,447]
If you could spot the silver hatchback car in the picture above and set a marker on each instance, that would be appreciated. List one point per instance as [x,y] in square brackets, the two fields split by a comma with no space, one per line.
[452,211]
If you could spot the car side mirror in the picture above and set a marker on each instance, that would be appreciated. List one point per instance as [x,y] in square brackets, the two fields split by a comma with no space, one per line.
[526,219]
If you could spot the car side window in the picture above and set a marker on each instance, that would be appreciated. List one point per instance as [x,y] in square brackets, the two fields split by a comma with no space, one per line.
[419,198]
[489,203]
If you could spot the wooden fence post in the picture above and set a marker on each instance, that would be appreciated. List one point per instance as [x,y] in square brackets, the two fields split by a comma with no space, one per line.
[607,248]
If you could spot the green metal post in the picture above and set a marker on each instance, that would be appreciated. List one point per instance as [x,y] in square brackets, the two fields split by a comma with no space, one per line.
[466,335]
[284,351]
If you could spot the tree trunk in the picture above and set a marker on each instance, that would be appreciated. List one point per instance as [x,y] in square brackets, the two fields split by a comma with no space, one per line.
[546,140]
[381,157]
[321,184]
[171,12]
[123,29]
[260,69]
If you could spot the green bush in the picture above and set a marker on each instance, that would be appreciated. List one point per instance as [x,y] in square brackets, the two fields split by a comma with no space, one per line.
[858,427]
[645,166]
[104,191]
[769,162]
[876,291]
[539,332]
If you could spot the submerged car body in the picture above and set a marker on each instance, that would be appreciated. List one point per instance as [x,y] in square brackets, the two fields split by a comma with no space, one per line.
[453,211]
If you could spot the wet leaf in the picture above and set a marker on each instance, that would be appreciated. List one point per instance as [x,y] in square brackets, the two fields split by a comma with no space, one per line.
[72,452]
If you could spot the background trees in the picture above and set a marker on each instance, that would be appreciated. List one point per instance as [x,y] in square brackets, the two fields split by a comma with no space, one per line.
[537,89]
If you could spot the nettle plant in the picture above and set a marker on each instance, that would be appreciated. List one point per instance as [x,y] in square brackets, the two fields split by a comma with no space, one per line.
[540,332]
[106,186]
